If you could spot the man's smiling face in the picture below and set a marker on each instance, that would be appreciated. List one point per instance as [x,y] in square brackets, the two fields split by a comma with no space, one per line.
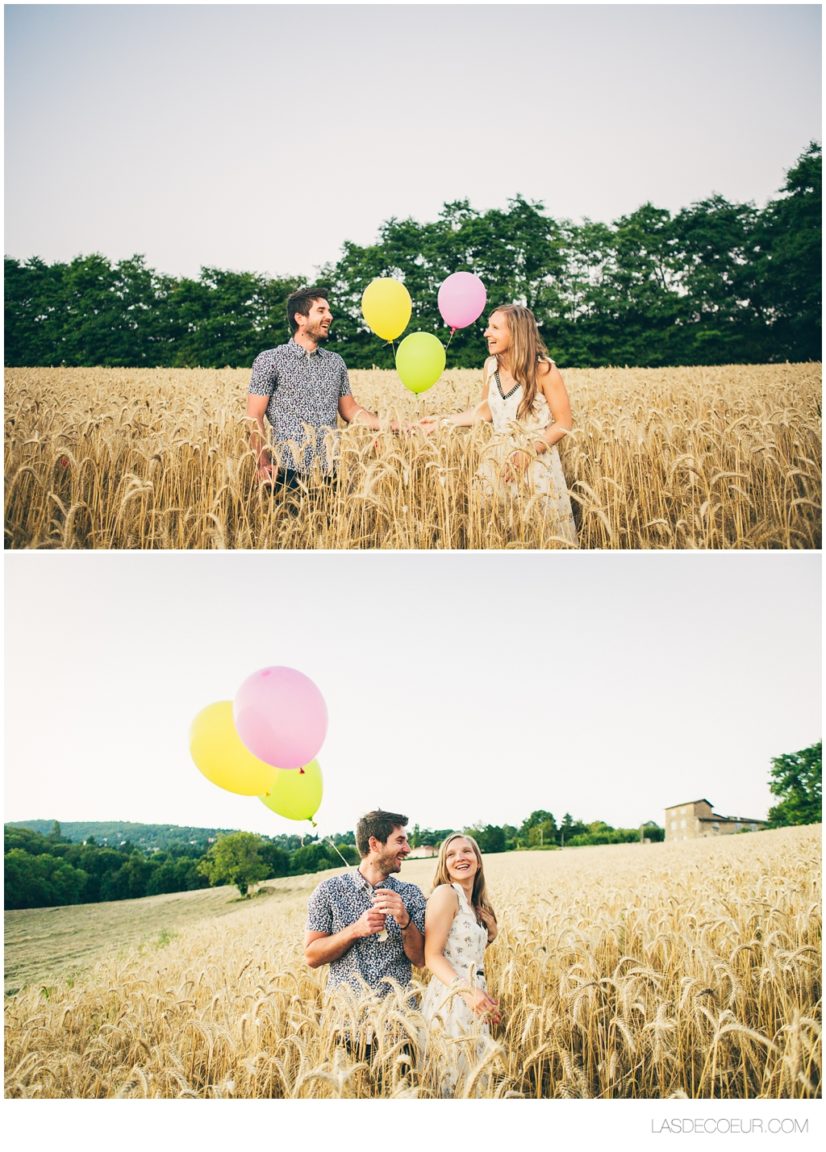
[316,324]
[392,852]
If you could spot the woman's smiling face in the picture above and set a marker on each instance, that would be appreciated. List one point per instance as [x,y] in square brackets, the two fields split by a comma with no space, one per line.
[498,334]
[461,860]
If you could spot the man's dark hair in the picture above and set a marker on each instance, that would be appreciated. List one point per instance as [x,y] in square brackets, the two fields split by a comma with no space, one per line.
[379,824]
[302,301]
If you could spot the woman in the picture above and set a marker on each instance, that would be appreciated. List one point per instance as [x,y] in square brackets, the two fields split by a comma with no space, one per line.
[524,397]
[459,925]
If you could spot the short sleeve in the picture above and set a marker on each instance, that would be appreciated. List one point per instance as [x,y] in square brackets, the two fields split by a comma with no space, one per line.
[344,380]
[264,374]
[320,912]
[416,904]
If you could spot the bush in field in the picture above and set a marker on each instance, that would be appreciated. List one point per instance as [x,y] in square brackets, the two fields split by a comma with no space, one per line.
[235,859]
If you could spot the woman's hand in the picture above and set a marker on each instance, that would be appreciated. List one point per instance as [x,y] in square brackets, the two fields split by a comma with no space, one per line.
[429,424]
[482,1005]
[516,467]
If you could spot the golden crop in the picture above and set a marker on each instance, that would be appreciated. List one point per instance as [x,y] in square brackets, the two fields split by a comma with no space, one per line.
[638,971]
[659,458]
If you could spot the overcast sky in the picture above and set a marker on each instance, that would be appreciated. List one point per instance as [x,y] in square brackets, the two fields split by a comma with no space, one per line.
[459,687]
[261,138]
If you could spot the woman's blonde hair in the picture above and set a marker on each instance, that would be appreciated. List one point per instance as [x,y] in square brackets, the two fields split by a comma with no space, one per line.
[479,896]
[526,351]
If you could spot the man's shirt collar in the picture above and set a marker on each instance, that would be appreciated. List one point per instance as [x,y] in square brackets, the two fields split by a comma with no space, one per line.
[301,353]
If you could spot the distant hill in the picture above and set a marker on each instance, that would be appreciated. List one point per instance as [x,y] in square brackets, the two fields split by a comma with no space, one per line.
[115,833]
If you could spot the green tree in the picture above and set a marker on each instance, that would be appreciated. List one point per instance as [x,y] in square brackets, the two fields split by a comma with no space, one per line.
[715,255]
[276,859]
[489,837]
[789,275]
[41,881]
[797,777]
[570,828]
[539,829]
[313,858]
[235,859]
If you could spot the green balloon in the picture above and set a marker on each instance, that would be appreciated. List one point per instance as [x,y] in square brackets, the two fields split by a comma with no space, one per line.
[295,792]
[420,360]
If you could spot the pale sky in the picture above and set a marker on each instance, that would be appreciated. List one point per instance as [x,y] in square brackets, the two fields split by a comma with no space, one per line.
[459,687]
[262,137]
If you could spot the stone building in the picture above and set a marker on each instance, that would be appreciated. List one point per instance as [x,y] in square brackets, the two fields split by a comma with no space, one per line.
[695,819]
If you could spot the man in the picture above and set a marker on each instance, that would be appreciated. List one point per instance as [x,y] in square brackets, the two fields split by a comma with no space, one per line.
[298,384]
[365,924]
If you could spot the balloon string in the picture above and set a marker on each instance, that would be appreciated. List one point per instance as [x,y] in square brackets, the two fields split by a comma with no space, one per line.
[332,845]
[452,330]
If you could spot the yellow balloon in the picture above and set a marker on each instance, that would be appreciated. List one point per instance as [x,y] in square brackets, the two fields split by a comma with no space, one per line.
[387,307]
[295,794]
[219,753]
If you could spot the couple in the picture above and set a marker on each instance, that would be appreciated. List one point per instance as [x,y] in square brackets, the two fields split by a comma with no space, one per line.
[370,928]
[301,387]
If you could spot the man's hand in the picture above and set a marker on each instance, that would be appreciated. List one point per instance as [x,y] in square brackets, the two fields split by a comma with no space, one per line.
[391,904]
[369,923]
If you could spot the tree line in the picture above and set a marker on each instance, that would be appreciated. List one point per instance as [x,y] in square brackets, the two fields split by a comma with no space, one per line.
[43,869]
[717,282]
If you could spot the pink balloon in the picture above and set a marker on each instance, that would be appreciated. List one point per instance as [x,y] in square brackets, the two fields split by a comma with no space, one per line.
[281,717]
[462,299]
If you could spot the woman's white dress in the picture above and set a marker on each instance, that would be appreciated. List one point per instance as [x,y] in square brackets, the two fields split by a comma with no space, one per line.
[444,1010]
[545,480]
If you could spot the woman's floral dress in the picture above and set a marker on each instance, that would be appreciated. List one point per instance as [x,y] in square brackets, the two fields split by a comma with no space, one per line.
[444,1008]
[545,481]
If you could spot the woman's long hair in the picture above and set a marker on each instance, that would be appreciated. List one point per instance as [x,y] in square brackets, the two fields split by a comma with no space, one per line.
[526,350]
[479,896]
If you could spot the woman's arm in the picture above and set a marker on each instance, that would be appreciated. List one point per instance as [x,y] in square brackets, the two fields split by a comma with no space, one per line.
[556,394]
[477,415]
[441,911]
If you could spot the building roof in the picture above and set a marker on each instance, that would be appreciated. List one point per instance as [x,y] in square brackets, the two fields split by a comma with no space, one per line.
[714,819]
[702,800]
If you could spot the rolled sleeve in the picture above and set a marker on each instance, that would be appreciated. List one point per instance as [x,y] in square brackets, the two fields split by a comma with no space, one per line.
[320,913]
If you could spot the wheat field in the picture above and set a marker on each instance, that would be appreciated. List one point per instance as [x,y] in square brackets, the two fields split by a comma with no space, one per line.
[659,458]
[678,970]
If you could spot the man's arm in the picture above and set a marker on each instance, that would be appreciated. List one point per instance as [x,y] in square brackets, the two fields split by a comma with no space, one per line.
[413,942]
[390,903]
[353,412]
[256,407]
[322,948]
